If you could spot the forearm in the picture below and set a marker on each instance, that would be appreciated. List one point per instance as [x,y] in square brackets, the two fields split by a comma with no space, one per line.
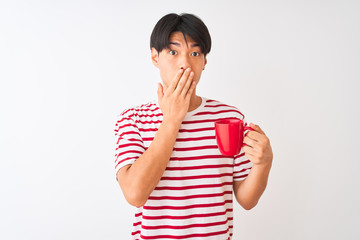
[143,175]
[249,191]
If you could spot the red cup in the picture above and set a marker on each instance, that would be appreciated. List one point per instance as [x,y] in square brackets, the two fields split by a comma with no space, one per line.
[230,135]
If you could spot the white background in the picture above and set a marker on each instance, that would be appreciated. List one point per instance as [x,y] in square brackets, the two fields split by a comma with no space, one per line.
[67,68]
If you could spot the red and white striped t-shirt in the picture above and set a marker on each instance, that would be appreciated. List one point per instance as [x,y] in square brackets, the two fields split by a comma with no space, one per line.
[194,198]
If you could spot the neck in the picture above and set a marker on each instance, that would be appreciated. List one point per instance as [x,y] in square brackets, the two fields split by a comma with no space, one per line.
[195,102]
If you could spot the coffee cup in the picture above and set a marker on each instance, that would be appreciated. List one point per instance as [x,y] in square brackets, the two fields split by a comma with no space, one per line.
[229,134]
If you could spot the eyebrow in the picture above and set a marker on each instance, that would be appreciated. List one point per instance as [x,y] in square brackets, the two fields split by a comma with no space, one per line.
[178,44]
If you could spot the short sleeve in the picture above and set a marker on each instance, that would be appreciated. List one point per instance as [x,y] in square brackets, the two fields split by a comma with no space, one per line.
[242,165]
[129,145]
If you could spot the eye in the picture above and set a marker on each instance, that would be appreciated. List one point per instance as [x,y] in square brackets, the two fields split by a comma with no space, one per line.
[173,52]
[195,54]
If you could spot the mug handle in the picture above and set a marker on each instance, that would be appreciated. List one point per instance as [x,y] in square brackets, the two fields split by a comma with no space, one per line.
[247,128]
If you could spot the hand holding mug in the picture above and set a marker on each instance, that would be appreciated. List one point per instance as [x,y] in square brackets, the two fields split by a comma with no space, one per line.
[258,149]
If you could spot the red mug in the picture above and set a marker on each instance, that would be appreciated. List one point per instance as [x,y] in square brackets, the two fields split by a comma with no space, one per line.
[230,135]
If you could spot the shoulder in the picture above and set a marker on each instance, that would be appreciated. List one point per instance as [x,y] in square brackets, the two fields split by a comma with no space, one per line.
[219,106]
[137,110]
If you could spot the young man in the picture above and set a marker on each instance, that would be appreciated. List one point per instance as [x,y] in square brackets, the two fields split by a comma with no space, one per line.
[167,161]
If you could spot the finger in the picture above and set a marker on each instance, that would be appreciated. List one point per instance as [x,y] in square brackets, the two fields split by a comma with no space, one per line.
[254,159]
[175,81]
[257,128]
[160,92]
[182,81]
[256,136]
[249,150]
[191,90]
[255,146]
[250,142]
[187,84]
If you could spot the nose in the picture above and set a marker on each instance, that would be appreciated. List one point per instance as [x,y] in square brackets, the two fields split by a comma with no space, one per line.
[184,63]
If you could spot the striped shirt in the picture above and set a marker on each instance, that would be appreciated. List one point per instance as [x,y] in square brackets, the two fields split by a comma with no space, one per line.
[194,198]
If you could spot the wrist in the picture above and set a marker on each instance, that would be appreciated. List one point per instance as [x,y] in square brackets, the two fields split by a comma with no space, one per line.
[171,124]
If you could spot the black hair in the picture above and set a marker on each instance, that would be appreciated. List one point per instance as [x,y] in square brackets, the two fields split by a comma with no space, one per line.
[185,23]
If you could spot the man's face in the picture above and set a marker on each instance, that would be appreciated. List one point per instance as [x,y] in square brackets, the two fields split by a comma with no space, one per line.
[179,55]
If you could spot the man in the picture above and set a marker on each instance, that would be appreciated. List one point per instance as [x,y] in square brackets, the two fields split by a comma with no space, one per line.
[167,161]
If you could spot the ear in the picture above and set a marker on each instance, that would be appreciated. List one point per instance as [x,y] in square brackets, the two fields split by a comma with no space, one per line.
[154,57]
[205,63]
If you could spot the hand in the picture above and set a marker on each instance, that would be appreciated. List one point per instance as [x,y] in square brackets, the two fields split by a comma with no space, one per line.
[174,103]
[258,149]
